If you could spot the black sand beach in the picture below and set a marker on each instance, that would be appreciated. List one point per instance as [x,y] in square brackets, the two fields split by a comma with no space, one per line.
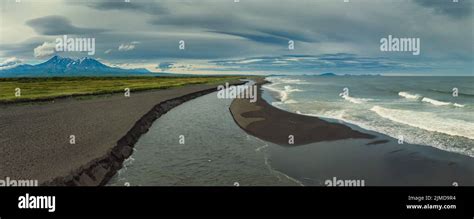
[275,125]
[329,149]
[35,137]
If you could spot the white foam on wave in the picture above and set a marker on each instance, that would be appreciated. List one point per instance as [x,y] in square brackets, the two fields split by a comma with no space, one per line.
[427,121]
[435,102]
[355,100]
[283,94]
[393,131]
[427,100]
[273,88]
[291,101]
[287,89]
[415,133]
[408,95]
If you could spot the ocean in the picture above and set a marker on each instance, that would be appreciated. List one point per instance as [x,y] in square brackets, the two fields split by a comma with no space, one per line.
[416,110]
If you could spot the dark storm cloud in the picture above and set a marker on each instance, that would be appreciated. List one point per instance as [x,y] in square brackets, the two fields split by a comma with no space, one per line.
[58,25]
[261,38]
[216,21]
[289,35]
[279,37]
[460,9]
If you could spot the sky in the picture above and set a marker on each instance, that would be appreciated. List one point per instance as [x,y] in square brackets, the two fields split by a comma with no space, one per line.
[248,36]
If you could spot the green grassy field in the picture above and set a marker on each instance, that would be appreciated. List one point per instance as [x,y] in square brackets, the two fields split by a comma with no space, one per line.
[46,88]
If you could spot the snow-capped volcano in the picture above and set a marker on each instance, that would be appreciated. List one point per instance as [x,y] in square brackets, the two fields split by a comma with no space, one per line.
[64,66]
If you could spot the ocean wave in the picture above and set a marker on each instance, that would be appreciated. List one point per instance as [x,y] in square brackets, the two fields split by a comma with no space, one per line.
[291,101]
[355,100]
[288,88]
[427,100]
[434,102]
[440,103]
[272,87]
[408,95]
[427,121]
[283,93]
[421,136]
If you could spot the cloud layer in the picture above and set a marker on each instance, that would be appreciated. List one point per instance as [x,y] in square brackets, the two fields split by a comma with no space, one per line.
[58,25]
[249,35]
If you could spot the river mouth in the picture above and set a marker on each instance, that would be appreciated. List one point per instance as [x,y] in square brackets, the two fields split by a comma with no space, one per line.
[198,144]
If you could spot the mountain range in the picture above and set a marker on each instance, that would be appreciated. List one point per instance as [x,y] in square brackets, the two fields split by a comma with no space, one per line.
[62,66]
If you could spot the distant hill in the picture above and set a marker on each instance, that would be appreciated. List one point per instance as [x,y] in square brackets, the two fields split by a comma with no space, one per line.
[62,66]
[328,74]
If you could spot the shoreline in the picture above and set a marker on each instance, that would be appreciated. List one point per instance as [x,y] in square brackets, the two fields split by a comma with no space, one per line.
[101,161]
[275,125]
[379,159]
